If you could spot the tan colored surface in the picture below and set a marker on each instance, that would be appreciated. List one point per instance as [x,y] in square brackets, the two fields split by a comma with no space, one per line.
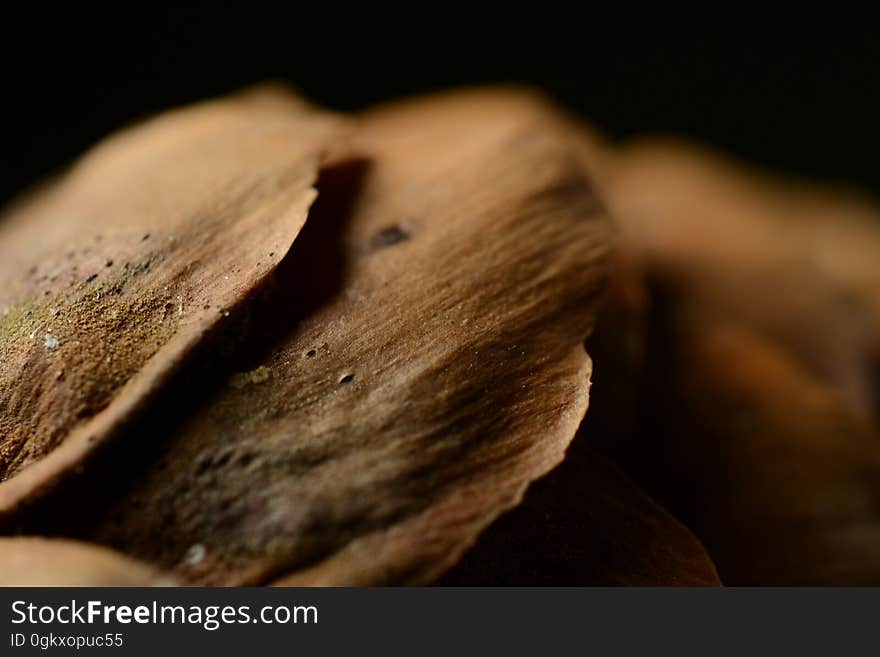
[27,561]
[113,273]
[440,373]
[758,412]
[796,263]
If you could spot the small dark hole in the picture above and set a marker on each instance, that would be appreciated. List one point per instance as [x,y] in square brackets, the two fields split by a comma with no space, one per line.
[246,459]
[311,353]
[145,237]
[109,263]
[348,378]
[389,236]
[203,466]
[91,278]
[223,460]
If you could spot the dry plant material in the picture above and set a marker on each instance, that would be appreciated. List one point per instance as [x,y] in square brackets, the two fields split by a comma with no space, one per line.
[758,365]
[772,469]
[791,262]
[27,561]
[393,416]
[110,276]
[585,524]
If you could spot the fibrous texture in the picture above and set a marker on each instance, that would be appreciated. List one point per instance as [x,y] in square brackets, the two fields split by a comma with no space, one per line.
[416,362]
[111,275]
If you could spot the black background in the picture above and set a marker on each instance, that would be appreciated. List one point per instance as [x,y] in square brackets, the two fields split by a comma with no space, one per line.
[807,104]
